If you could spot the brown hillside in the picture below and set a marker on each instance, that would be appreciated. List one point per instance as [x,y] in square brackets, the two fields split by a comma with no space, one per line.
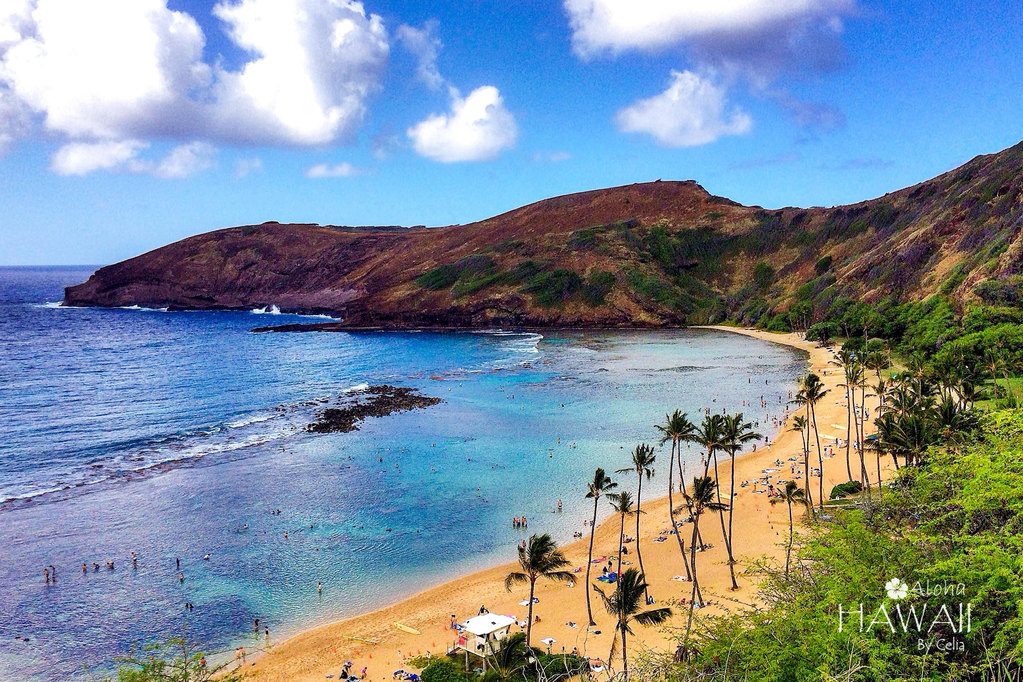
[640,255]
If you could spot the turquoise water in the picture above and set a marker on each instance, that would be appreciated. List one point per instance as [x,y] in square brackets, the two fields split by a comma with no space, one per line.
[173,435]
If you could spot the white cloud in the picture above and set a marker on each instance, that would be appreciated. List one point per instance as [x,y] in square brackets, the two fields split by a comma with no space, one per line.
[424,44]
[108,69]
[80,158]
[319,60]
[615,25]
[691,112]
[125,70]
[754,41]
[477,128]
[181,162]
[339,170]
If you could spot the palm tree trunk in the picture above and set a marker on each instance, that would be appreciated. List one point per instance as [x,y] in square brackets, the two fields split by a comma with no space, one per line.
[848,431]
[731,502]
[529,616]
[671,507]
[639,552]
[721,516]
[805,436]
[880,494]
[863,438]
[698,593]
[621,538]
[589,560]
[788,552]
[820,456]
[694,594]
[625,658]
[1010,394]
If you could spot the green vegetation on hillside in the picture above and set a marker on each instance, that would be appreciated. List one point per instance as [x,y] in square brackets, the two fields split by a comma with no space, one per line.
[951,528]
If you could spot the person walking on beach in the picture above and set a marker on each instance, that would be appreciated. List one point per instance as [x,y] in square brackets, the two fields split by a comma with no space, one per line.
[266,632]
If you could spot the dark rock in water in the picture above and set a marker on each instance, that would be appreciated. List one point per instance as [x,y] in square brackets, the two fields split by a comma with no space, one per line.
[375,401]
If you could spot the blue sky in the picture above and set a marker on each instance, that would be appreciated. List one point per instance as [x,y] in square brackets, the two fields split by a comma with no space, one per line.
[127,124]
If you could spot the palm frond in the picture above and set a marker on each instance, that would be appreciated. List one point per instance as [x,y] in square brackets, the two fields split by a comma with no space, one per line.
[653,616]
[513,578]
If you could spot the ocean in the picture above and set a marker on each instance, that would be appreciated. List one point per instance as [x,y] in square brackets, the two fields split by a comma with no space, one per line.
[174,435]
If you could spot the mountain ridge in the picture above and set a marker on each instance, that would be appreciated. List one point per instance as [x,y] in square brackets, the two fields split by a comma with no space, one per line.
[647,254]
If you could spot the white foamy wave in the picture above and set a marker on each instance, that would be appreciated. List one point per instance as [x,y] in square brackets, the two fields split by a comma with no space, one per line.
[53,305]
[356,388]
[271,310]
[253,419]
[142,308]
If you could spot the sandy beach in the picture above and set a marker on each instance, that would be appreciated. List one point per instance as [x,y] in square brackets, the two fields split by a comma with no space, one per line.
[373,641]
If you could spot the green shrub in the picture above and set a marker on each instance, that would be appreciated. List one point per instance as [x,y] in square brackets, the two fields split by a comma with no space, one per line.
[472,272]
[763,276]
[559,667]
[583,239]
[822,332]
[440,277]
[1008,291]
[598,285]
[551,288]
[846,489]
[443,670]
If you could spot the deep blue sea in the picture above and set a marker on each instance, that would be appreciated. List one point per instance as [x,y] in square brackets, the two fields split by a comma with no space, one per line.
[174,435]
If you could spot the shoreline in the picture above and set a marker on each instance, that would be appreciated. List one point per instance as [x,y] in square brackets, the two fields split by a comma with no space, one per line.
[372,640]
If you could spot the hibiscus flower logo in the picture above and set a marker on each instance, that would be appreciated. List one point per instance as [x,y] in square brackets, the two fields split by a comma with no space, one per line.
[896,589]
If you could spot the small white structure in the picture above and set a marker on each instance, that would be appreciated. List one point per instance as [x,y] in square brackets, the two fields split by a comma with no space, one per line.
[482,635]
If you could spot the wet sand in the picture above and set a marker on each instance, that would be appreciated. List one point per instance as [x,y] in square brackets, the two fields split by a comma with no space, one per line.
[760,529]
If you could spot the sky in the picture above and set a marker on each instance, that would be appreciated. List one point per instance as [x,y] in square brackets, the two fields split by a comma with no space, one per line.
[129,124]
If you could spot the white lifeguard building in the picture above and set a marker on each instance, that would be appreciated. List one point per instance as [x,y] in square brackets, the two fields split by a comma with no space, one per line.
[482,635]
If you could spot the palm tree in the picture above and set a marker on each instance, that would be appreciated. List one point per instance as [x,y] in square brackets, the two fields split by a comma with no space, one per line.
[642,463]
[621,502]
[735,433]
[877,361]
[678,429]
[791,494]
[849,367]
[540,558]
[600,485]
[858,381]
[509,660]
[813,392]
[995,363]
[702,499]
[709,435]
[624,605]
[800,424]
